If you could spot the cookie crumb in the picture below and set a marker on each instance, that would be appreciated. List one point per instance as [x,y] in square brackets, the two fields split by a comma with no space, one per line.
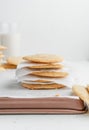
[57,95]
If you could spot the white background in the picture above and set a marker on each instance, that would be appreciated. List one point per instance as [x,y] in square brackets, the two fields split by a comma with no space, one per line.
[50,26]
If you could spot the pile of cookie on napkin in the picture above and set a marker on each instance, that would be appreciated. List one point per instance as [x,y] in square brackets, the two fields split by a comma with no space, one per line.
[42,71]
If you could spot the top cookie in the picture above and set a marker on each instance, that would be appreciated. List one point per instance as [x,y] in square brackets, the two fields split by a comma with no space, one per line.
[2,48]
[43,58]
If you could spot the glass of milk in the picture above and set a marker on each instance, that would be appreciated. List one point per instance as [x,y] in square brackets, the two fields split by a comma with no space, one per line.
[10,38]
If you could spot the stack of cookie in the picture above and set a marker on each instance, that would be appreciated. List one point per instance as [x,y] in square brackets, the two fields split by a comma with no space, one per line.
[2,48]
[44,70]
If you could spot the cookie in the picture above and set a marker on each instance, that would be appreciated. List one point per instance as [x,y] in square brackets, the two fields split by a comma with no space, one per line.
[50,74]
[14,60]
[1,68]
[1,53]
[46,66]
[57,95]
[2,48]
[8,66]
[87,88]
[43,86]
[81,92]
[43,58]
[1,56]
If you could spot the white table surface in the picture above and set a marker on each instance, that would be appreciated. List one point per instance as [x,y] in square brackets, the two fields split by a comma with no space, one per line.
[51,122]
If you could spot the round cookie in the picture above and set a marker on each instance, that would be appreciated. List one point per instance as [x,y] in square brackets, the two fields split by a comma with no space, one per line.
[2,48]
[46,66]
[43,58]
[42,81]
[81,92]
[43,86]
[1,56]
[1,68]
[87,88]
[8,66]
[1,53]
[14,60]
[50,74]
